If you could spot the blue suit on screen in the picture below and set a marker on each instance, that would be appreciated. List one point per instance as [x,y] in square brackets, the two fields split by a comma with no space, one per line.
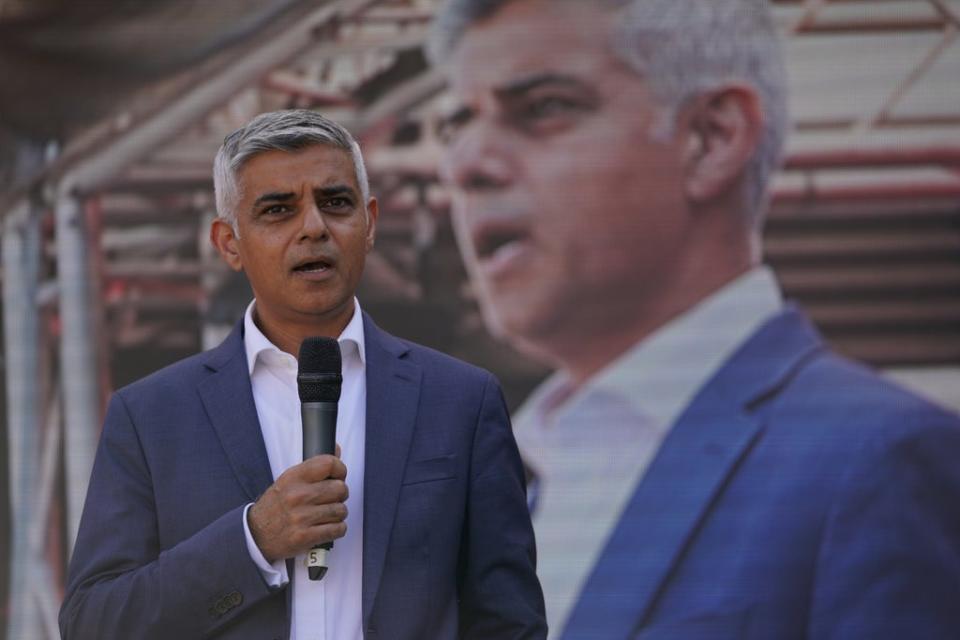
[798,496]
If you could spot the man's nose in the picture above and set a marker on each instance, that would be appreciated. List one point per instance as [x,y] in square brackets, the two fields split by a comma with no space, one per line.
[313,225]
[480,160]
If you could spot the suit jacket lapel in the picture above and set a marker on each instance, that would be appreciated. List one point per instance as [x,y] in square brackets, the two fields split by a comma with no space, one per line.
[228,399]
[393,393]
[688,473]
[664,511]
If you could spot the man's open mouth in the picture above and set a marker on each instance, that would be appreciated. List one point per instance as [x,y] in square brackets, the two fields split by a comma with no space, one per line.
[491,242]
[313,266]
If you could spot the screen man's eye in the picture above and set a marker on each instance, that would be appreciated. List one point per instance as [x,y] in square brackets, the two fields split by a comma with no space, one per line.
[547,107]
[449,127]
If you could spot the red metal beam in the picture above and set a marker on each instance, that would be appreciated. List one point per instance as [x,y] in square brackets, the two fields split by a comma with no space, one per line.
[888,122]
[789,2]
[878,25]
[317,98]
[866,158]
[916,191]
[385,16]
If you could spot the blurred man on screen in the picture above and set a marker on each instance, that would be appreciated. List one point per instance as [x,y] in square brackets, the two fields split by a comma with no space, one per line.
[706,467]
[201,508]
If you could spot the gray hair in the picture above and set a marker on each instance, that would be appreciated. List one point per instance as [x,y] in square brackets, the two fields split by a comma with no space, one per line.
[683,48]
[290,130]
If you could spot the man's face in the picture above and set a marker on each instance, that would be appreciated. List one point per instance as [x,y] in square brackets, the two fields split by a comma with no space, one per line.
[302,235]
[568,212]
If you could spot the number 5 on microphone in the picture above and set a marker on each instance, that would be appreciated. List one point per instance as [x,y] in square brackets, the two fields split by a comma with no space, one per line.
[316,562]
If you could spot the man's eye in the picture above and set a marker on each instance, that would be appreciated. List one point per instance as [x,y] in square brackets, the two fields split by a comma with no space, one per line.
[547,107]
[337,203]
[276,210]
[447,131]
[450,126]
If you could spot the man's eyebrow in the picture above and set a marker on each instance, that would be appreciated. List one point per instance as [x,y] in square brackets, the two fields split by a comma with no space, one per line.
[274,197]
[332,190]
[520,86]
[511,91]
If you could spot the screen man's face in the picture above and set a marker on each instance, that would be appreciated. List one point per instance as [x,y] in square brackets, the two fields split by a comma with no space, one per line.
[566,208]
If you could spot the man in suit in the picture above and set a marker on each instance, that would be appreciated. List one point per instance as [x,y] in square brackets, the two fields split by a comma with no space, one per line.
[200,508]
[705,467]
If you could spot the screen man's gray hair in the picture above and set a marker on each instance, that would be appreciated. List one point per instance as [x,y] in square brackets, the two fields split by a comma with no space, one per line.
[290,130]
[682,48]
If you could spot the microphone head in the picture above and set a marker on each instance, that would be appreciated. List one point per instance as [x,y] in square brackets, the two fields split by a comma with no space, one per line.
[319,376]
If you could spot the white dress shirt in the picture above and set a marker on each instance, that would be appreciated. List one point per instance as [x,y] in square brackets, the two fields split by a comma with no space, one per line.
[331,608]
[591,446]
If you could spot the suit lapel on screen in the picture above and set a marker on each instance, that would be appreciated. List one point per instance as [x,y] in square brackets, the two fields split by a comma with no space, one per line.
[690,470]
[393,393]
[228,399]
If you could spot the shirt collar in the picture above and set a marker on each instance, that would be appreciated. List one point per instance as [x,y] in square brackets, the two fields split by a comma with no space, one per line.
[660,375]
[255,343]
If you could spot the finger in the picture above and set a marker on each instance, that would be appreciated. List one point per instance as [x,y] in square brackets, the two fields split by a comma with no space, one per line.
[339,469]
[327,514]
[299,473]
[328,492]
[327,532]
[322,467]
[338,451]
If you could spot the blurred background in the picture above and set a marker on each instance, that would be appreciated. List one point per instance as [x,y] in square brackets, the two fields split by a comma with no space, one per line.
[111,112]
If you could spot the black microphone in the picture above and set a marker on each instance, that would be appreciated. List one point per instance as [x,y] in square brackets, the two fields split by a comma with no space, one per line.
[318,383]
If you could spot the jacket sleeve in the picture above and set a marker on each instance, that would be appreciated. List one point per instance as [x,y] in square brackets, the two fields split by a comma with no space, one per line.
[889,563]
[122,584]
[500,597]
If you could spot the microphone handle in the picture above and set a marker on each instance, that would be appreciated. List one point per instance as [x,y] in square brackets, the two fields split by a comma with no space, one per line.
[319,437]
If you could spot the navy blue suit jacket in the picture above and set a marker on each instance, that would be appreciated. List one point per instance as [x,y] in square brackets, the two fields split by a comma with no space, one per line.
[799,496]
[448,548]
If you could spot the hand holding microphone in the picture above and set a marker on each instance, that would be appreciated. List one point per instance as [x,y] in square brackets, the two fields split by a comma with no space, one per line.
[305,510]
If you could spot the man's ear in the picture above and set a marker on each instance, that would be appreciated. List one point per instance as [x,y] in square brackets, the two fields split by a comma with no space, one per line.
[224,240]
[373,210]
[724,128]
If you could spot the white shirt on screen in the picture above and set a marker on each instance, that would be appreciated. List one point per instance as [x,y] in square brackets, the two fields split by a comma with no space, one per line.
[331,608]
[590,447]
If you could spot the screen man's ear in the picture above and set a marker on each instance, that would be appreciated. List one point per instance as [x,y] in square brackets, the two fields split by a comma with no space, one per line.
[724,127]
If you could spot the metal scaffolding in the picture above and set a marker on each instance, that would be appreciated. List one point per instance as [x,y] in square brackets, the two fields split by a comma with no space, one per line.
[21,269]
[361,61]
